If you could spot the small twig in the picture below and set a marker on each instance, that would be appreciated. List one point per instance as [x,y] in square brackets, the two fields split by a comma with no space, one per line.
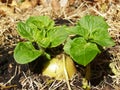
[42,88]
[66,73]
[103,15]
[10,86]
[11,77]
[2,87]
[58,84]
[28,80]
[52,85]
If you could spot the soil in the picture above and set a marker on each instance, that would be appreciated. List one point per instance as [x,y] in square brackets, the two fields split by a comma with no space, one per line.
[105,69]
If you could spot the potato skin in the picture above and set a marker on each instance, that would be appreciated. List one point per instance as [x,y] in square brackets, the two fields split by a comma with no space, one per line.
[55,68]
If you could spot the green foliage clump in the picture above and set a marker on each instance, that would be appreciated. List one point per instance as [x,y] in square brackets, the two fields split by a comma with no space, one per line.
[42,31]
[90,33]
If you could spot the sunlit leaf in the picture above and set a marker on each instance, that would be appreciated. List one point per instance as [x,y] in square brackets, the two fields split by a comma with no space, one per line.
[25,52]
[83,52]
[58,36]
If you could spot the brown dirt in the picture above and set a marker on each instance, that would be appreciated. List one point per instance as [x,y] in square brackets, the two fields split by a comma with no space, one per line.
[105,68]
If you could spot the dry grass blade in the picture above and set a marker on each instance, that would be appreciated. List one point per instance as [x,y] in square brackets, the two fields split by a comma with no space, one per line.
[9,37]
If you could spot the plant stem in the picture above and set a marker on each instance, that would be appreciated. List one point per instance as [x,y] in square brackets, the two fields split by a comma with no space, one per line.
[88,72]
[66,73]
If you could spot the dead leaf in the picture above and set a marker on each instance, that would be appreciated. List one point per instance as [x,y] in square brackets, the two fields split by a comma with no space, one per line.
[6,10]
[55,6]
[71,2]
[28,4]
[2,13]
[13,3]
[45,3]
[63,3]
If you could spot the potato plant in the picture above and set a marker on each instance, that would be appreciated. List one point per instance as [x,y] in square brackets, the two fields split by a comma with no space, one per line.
[41,34]
[80,42]
[90,34]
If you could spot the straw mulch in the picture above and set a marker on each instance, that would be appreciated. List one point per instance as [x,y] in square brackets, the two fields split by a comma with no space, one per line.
[105,73]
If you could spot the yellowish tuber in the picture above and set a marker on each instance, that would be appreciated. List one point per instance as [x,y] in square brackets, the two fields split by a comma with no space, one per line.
[57,67]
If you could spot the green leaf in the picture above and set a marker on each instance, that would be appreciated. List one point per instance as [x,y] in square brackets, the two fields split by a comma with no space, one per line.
[42,22]
[83,52]
[103,38]
[43,25]
[25,31]
[92,23]
[57,36]
[47,55]
[25,52]
[72,30]
[35,33]
[44,42]
[87,25]
[67,46]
